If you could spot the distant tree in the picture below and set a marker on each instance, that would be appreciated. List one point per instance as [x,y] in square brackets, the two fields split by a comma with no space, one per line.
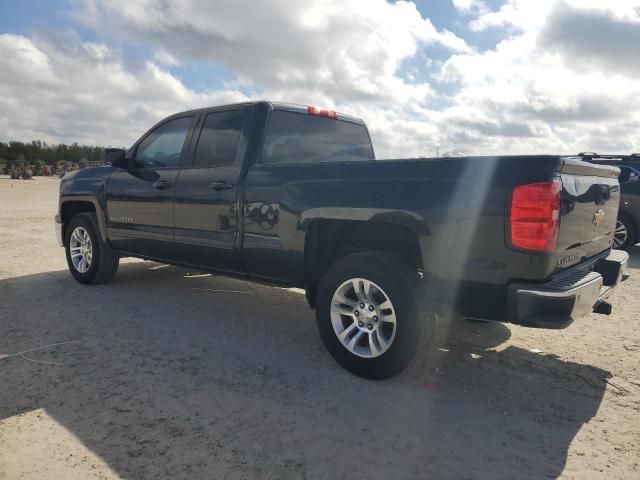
[37,150]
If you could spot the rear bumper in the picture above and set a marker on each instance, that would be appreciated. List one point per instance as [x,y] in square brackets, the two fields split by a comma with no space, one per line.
[555,304]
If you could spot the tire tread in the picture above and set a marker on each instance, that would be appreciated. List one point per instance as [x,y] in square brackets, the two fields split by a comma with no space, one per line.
[400,278]
[108,260]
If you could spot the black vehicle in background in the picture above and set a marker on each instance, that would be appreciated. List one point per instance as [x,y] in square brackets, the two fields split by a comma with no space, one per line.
[628,226]
[293,195]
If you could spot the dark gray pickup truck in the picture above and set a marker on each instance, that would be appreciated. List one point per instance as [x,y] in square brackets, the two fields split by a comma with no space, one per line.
[293,195]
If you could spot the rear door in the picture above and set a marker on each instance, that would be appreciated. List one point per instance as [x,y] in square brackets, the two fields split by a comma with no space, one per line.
[590,199]
[206,195]
[140,200]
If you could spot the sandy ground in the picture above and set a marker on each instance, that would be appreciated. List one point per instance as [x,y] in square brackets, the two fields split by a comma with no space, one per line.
[175,374]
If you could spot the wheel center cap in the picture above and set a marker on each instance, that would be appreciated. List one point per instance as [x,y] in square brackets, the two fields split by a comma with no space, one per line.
[366,315]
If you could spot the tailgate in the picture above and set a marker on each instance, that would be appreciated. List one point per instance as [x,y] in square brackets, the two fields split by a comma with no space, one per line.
[590,199]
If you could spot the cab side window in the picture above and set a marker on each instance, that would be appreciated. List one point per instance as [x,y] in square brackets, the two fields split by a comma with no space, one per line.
[218,140]
[163,146]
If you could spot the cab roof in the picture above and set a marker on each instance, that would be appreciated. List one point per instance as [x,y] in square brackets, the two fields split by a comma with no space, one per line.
[283,106]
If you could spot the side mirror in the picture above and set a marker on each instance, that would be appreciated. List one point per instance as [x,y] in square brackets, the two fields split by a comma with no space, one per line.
[116,157]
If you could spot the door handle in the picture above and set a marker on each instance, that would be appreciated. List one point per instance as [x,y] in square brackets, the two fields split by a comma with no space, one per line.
[221,185]
[160,184]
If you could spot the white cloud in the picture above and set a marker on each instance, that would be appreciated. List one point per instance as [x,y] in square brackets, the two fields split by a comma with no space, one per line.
[525,15]
[63,89]
[343,50]
[163,57]
[527,95]
[467,6]
[543,88]
[589,39]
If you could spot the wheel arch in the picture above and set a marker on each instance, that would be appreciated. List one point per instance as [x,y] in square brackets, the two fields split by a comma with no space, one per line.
[635,221]
[327,241]
[70,207]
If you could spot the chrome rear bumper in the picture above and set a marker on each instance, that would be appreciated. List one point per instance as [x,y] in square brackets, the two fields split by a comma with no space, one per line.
[555,304]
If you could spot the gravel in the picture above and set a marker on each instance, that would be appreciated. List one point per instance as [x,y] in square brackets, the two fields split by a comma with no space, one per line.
[174,374]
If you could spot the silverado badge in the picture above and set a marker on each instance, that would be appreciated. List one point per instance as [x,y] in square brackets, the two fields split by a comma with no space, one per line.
[120,219]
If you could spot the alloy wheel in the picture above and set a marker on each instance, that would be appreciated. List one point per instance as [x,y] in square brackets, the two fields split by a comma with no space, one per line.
[80,249]
[620,235]
[363,317]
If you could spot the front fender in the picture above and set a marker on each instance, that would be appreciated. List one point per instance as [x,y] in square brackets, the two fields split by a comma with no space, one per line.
[99,210]
[89,187]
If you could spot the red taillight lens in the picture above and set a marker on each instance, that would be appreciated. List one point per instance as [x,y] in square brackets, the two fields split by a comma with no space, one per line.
[535,216]
[322,113]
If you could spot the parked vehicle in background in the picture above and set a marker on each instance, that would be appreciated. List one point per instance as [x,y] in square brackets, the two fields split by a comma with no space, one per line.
[293,195]
[628,225]
[64,166]
[20,170]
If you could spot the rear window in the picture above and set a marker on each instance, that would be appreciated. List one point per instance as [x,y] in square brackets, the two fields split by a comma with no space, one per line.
[302,138]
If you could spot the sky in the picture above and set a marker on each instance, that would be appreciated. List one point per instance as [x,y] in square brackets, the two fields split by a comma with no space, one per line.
[465,77]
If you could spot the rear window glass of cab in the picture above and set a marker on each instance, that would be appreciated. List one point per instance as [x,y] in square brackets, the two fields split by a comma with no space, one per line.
[302,138]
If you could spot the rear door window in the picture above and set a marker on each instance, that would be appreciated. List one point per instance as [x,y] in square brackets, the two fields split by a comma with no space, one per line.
[302,138]
[218,140]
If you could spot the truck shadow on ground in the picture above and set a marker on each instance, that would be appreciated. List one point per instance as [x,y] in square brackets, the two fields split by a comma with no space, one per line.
[191,376]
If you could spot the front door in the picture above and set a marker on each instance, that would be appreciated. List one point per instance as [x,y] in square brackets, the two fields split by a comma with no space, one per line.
[205,213]
[140,200]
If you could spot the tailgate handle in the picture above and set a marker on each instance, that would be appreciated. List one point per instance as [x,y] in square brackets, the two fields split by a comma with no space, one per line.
[603,195]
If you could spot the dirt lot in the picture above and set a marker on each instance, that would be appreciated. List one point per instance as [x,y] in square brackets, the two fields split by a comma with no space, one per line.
[177,374]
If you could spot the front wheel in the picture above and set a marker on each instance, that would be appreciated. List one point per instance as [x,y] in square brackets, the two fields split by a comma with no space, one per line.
[369,314]
[90,259]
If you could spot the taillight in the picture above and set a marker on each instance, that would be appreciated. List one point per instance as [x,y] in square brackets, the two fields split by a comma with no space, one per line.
[322,113]
[535,216]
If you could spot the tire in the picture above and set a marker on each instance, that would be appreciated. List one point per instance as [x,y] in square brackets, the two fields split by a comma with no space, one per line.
[388,278]
[103,263]
[625,235]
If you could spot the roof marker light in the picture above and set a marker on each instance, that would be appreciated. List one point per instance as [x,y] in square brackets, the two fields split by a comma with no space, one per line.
[322,113]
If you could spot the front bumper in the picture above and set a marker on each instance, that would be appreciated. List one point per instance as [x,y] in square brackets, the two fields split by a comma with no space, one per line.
[555,304]
[58,226]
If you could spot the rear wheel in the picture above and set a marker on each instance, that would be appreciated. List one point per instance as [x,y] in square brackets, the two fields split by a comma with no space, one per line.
[90,260]
[369,314]
[625,233]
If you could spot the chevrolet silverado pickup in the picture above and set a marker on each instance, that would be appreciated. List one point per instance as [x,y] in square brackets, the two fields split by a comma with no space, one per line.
[293,195]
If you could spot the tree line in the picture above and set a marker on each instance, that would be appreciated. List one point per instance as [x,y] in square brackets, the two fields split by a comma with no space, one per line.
[38,151]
